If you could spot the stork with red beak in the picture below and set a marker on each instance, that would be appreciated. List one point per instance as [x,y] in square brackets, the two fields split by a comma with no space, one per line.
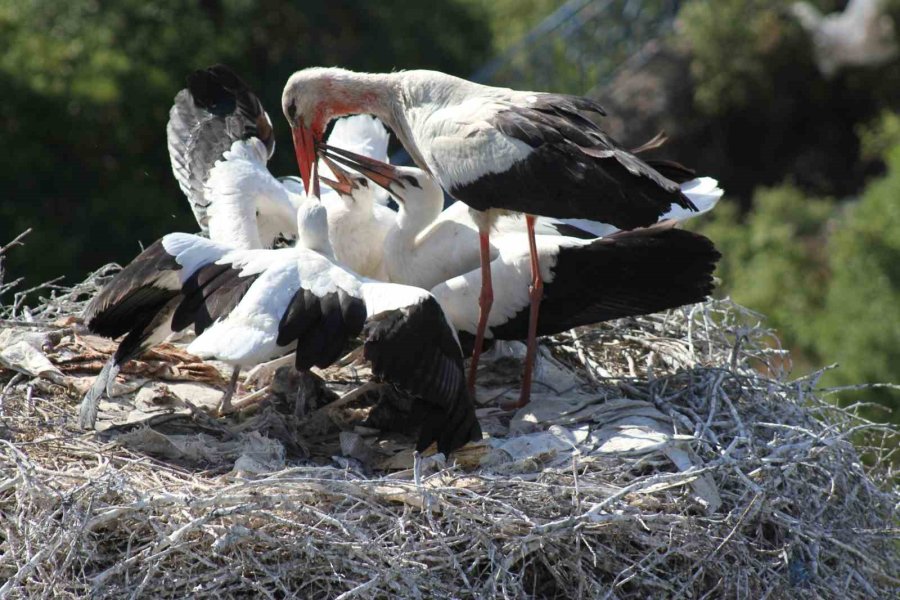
[495,149]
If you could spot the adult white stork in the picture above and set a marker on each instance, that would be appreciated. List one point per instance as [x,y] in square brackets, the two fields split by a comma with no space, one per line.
[585,281]
[298,298]
[495,149]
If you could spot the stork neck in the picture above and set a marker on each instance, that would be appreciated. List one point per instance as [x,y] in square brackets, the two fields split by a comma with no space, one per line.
[232,220]
[401,240]
[360,204]
[382,95]
[312,227]
[351,93]
[416,214]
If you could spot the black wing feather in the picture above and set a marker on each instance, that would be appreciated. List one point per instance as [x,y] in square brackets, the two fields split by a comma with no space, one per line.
[322,326]
[135,294]
[215,110]
[209,294]
[414,348]
[628,274]
[134,344]
[574,171]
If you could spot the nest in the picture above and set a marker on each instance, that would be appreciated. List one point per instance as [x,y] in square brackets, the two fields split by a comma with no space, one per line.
[663,456]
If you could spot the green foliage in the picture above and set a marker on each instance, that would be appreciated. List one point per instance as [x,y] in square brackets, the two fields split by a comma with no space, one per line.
[88,85]
[509,20]
[773,259]
[860,324]
[826,275]
[768,114]
[877,139]
[737,48]
[582,48]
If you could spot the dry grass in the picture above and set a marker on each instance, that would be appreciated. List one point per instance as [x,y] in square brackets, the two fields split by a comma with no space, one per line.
[773,501]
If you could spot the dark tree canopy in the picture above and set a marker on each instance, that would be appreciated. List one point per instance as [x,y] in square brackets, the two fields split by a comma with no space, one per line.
[87,92]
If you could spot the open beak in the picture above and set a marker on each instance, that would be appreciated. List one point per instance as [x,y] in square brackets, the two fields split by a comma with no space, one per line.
[380,173]
[341,183]
[305,148]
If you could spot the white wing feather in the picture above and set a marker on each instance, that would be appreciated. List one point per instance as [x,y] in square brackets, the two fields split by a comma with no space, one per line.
[248,334]
[704,192]
[242,183]
[192,252]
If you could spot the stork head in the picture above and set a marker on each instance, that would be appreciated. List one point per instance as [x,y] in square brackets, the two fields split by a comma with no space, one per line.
[350,185]
[412,188]
[312,98]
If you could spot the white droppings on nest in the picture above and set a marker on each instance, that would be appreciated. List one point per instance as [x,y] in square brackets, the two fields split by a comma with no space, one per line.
[706,472]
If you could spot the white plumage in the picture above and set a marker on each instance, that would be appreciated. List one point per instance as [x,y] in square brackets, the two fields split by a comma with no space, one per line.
[704,192]
[247,335]
[437,249]
[300,300]
[244,175]
[861,35]
[425,245]
[249,303]
[140,300]
[511,273]
[495,149]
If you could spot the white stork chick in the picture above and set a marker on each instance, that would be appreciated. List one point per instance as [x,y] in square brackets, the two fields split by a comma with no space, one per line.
[214,111]
[585,281]
[297,298]
[495,149]
[358,222]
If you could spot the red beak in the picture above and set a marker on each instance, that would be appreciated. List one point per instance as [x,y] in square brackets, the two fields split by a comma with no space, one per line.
[305,148]
[380,173]
[341,183]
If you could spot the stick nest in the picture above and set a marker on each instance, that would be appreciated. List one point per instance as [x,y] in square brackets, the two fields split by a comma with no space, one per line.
[680,461]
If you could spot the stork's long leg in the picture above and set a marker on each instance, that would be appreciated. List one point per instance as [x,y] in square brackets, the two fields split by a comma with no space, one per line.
[536,293]
[485,301]
[225,403]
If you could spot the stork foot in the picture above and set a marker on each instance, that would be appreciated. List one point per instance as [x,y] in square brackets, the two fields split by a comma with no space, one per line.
[262,374]
[225,403]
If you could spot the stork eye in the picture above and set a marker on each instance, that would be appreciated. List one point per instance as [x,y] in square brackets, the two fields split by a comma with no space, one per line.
[411,180]
[292,109]
[363,182]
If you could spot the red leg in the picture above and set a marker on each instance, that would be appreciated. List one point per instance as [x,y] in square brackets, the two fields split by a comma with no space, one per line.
[485,301]
[536,293]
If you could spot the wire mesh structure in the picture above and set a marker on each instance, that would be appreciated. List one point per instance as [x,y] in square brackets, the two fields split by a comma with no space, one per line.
[580,45]
[577,48]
